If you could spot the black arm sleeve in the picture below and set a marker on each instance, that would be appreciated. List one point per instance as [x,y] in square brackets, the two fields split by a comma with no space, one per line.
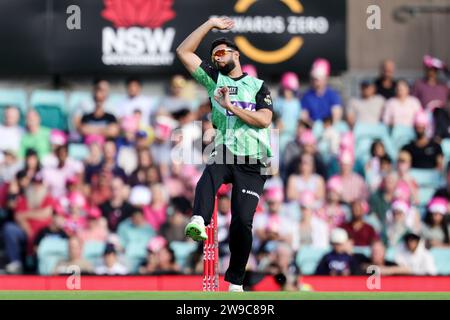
[263,99]
[212,72]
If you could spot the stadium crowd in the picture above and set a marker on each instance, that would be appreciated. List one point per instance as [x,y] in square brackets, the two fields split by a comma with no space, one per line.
[357,179]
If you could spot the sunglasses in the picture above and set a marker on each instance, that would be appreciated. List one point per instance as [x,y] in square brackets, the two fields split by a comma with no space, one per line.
[221,53]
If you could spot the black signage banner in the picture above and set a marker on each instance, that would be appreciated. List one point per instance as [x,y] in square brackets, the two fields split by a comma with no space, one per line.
[140,36]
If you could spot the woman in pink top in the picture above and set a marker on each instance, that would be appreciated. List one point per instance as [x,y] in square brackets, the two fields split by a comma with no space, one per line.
[156,213]
[400,110]
[306,180]
[333,212]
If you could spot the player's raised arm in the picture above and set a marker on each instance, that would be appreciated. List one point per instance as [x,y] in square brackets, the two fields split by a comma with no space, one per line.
[186,50]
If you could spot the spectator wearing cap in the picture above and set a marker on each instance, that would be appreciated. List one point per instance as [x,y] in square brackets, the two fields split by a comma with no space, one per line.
[340,261]
[320,101]
[55,177]
[306,180]
[175,102]
[304,143]
[160,258]
[401,109]
[99,122]
[57,138]
[271,226]
[377,258]
[425,153]
[334,213]
[385,84]
[431,92]
[75,258]
[111,265]
[436,227]
[96,228]
[400,219]
[360,232]
[136,100]
[36,136]
[415,257]
[76,213]
[116,209]
[313,230]
[354,186]
[368,108]
[10,130]
[287,105]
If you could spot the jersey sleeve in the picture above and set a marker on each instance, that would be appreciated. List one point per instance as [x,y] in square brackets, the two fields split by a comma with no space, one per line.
[206,75]
[264,99]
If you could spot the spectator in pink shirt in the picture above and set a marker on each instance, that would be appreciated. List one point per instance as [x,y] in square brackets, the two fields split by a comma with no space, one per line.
[96,226]
[156,212]
[429,90]
[333,212]
[401,109]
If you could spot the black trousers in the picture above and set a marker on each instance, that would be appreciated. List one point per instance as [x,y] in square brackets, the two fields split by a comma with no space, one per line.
[248,185]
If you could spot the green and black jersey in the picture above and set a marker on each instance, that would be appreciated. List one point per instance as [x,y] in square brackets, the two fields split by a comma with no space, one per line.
[246,92]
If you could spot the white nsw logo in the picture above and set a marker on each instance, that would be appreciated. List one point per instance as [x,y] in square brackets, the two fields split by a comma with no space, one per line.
[253,193]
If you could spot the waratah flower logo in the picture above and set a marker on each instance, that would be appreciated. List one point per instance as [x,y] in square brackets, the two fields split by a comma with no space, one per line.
[144,13]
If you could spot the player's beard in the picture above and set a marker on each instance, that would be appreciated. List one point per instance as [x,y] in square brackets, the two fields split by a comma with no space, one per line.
[227,68]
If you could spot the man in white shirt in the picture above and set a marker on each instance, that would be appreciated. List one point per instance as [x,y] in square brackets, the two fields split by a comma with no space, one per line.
[10,132]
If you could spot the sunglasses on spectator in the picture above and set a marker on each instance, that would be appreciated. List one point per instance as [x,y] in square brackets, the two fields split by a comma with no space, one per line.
[221,52]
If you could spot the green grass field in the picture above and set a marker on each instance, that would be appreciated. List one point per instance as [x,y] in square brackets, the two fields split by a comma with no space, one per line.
[164,295]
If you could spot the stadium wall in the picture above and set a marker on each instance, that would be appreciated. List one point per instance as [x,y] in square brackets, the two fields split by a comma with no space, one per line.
[193,283]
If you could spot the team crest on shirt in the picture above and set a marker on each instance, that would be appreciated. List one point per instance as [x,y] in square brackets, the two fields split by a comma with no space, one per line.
[268,100]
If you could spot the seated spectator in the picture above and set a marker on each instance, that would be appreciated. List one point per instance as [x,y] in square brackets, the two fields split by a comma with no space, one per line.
[401,219]
[33,213]
[179,212]
[406,184]
[386,84]
[223,219]
[330,137]
[377,258]
[373,169]
[338,262]
[436,229]
[135,100]
[55,230]
[444,192]
[100,92]
[116,209]
[174,103]
[55,177]
[96,226]
[441,121]
[321,101]
[401,110]
[414,256]
[288,102]
[353,185]
[380,200]
[367,109]
[135,230]
[36,137]
[9,167]
[283,267]
[99,122]
[360,232]
[95,145]
[111,266]
[313,230]
[75,259]
[271,226]
[10,130]
[76,213]
[156,212]
[431,92]
[126,144]
[32,166]
[334,213]
[306,180]
[160,258]
[425,153]
[140,174]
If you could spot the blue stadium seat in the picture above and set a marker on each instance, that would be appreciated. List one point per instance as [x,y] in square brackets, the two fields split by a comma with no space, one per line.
[78,151]
[76,98]
[51,250]
[428,178]
[390,254]
[182,250]
[13,97]
[445,145]
[341,127]
[135,253]
[441,259]
[93,252]
[365,250]
[317,129]
[402,135]
[51,105]
[366,134]
[113,102]
[309,257]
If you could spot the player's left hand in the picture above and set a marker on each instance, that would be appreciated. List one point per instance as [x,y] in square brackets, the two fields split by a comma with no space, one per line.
[222,96]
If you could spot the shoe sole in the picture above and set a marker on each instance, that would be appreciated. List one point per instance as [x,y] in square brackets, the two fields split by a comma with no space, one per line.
[194,233]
